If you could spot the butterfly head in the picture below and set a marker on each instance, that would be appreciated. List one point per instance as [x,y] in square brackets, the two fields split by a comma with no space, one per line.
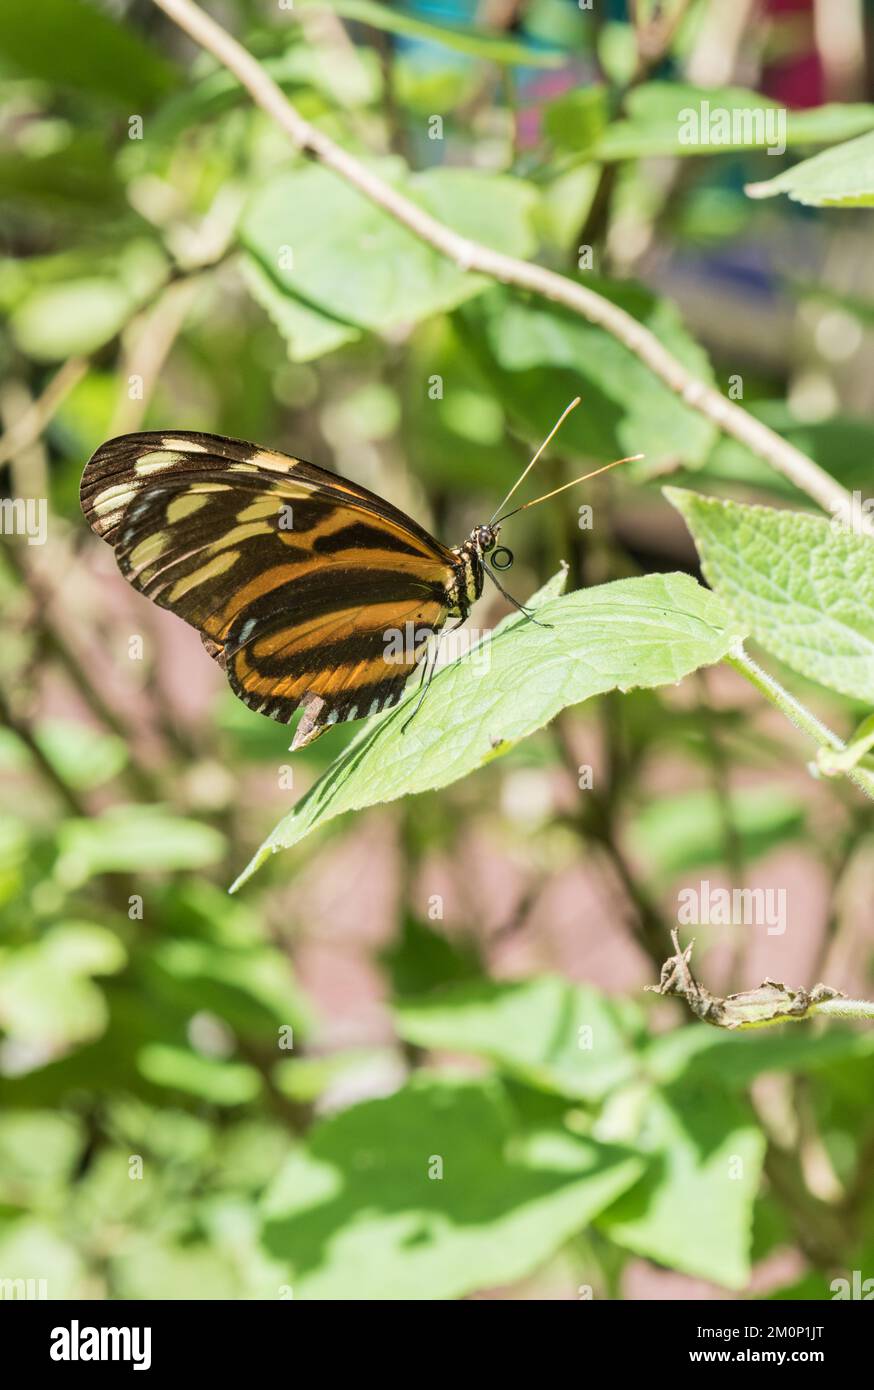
[484,540]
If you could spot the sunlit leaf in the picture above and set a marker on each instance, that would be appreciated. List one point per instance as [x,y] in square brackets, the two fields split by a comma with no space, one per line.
[694,1210]
[804,585]
[842,177]
[635,632]
[563,1037]
[311,235]
[133,839]
[433,1193]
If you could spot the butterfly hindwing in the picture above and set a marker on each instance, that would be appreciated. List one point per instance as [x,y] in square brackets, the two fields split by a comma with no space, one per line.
[297,580]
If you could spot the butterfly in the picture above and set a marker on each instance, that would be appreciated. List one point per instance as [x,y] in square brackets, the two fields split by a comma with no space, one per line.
[298,580]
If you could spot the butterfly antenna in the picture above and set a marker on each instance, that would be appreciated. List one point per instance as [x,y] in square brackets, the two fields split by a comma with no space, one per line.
[556,427]
[632,458]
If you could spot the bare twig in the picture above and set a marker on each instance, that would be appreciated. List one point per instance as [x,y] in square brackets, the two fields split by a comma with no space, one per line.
[473,256]
[152,337]
[764,1007]
[29,426]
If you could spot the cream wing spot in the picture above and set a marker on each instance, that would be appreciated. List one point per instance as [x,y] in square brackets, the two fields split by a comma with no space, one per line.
[240,533]
[111,498]
[155,461]
[148,550]
[216,566]
[265,458]
[265,506]
[183,506]
[188,446]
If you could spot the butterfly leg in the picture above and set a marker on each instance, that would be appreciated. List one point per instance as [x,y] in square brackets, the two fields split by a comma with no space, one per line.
[510,599]
[429,666]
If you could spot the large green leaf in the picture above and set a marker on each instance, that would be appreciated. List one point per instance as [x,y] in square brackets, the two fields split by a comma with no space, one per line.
[542,356]
[353,267]
[251,987]
[655,122]
[76,44]
[133,839]
[433,1193]
[555,1035]
[693,1211]
[718,1059]
[634,632]
[842,177]
[803,585]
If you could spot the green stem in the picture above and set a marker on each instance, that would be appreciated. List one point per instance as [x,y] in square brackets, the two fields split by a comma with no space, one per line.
[796,713]
[846,1008]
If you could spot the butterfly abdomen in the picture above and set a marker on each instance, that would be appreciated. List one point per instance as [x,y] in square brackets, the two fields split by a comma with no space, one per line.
[470,577]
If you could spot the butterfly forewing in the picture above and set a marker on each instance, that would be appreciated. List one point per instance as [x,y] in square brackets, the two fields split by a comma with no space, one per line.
[298,581]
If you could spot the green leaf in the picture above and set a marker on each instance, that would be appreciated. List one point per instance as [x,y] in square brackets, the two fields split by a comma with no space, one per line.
[31,1249]
[575,120]
[73,179]
[65,320]
[544,356]
[212,1079]
[842,177]
[80,314]
[308,333]
[635,632]
[657,123]
[694,1210]
[560,1037]
[347,77]
[82,756]
[251,987]
[490,48]
[841,445]
[47,996]
[804,585]
[312,236]
[361,1070]
[360,1210]
[716,1059]
[688,830]
[150,1266]
[423,958]
[72,44]
[38,1153]
[133,839]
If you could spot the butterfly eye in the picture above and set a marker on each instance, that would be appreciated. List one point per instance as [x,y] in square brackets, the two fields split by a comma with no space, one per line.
[502,558]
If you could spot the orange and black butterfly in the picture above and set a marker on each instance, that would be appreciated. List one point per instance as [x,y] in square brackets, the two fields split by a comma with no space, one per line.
[293,575]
